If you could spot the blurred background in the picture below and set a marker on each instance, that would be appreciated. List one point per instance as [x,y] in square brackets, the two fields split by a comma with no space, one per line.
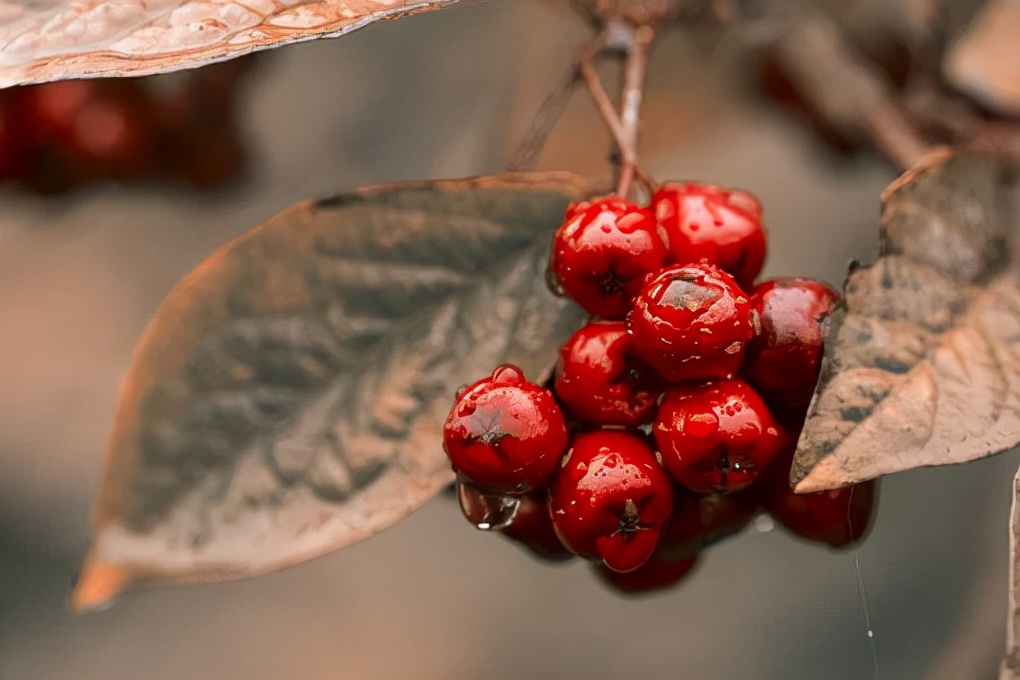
[443,95]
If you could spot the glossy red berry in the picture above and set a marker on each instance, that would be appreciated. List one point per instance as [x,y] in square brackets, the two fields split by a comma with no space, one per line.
[602,254]
[14,142]
[704,223]
[699,521]
[54,107]
[655,575]
[783,361]
[532,529]
[840,517]
[716,437]
[611,499]
[505,433]
[598,380]
[113,134]
[692,322]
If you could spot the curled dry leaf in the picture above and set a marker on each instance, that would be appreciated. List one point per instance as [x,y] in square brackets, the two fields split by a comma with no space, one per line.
[42,41]
[923,358]
[287,398]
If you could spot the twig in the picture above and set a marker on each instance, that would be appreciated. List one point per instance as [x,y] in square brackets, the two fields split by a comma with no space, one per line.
[525,156]
[634,71]
[608,112]
[634,43]
[848,93]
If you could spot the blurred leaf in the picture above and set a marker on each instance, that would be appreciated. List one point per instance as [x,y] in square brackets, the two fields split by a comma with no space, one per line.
[42,41]
[923,359]
[985,61]
[287,398]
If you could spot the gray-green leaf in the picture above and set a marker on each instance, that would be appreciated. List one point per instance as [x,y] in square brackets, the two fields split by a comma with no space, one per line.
[288,395]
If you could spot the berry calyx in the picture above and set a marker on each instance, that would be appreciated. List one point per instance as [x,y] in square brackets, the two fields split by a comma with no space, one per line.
[599,382]
[716,437]
[704,223]
[783,361]
[610,499]
[692,322]
[603,252]
[505,433]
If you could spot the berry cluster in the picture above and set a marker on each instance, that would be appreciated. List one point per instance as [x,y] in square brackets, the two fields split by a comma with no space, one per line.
[673,413]
[60,135]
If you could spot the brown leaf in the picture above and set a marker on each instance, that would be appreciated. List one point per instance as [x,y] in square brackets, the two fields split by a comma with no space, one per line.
[287,397]
[42,41]
[985,61]
[923,359]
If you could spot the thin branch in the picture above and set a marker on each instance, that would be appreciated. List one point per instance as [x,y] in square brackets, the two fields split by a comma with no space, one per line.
[525,156]
[607,111]
[851,95]
[635,67]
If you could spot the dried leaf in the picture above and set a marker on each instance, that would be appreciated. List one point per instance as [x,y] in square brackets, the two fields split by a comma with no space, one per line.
[923,359]
[985,61]
[288,396]
[42,41]
[1011,663]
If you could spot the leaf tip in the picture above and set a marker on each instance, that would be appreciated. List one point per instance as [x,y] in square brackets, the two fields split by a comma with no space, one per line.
[825,475]
[97,586]
[936,157]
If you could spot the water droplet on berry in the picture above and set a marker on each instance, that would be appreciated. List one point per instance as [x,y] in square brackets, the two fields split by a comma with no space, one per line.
[763,524]
[487,511]
[509,374]
[553,283]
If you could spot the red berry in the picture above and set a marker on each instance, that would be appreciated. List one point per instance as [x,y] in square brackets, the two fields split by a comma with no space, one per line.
[603,252]
[783,361]
[840,517]
[113,133]
[692,322]
[14,142]
[532,528]
[505,433]
[654,575]
[610,499]
[706,224]
[599,382]
[54,106]
[699,521]
[716,437]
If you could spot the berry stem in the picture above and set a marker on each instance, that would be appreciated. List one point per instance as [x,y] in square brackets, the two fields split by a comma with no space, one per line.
[634,42]
[608,112]
[634,70]
[525,156]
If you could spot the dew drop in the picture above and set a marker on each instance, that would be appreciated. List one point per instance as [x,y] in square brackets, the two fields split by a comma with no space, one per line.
[553,283]
[487,511]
